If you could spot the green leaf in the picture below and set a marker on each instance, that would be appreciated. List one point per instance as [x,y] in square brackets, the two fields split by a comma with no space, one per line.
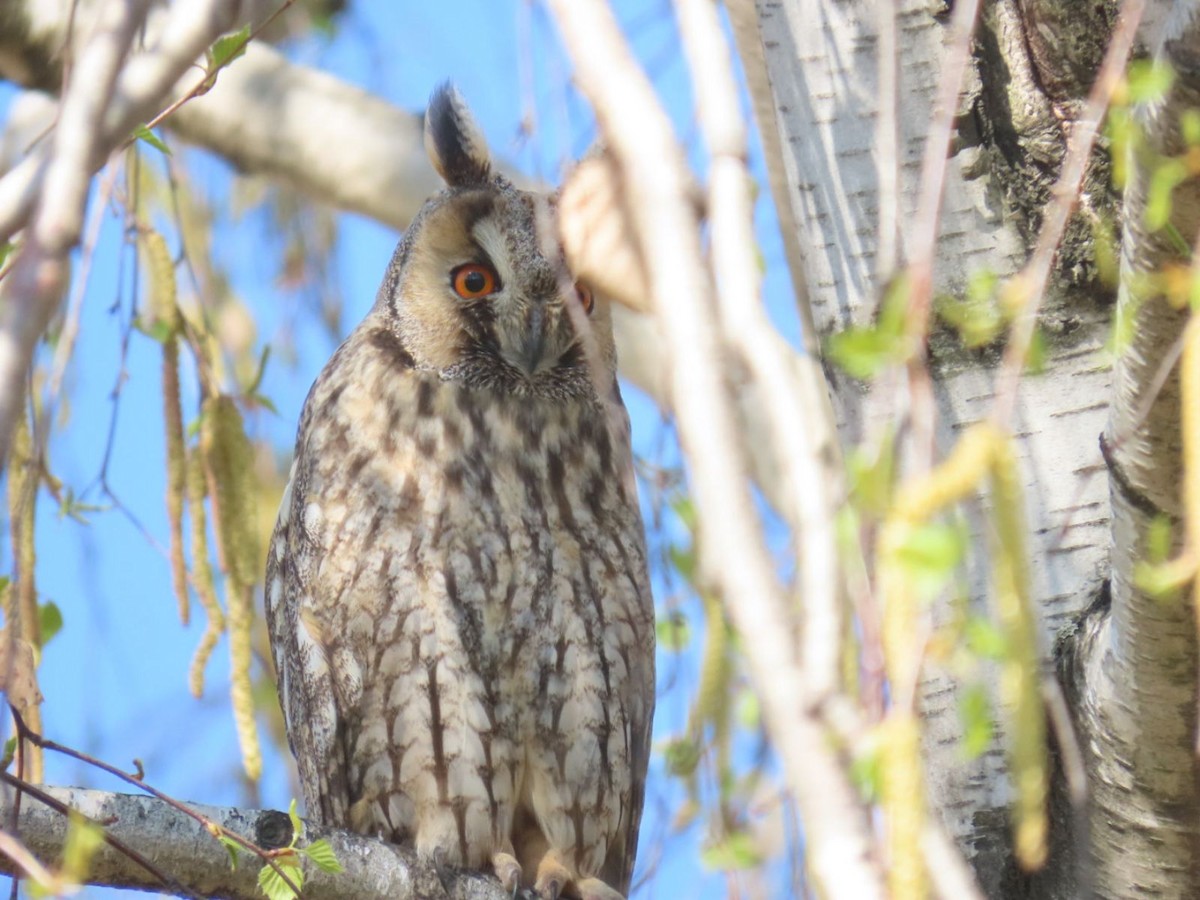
[749,711]
[227,48]
[930,554]
[5,249]
[1189,124]
[1123,135]
[1149,80]
[1182,247]
[1106,250]
[323,856]
[1163,181]
[866,769]
[683,507]
[50,620]
[275,887]
[674,631]
[738,851]
[975,713]
[10,752]
[984,639]
[684,561]
[71,507]
[872,473]
[84,838]
[262,369]
[1159,537]
[864,352]
[142,133]
[232,847]
[976,316]
[1160,581]
[297,823]
[263,401]
[156,330]
[681,756]
[1035,360]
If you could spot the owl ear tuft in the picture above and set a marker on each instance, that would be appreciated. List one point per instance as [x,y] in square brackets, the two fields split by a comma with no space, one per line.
[455,145]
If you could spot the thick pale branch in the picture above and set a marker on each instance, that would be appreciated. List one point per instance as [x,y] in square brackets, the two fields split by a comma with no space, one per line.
[1136,686]
[338,143]
[182,848]
[732,549]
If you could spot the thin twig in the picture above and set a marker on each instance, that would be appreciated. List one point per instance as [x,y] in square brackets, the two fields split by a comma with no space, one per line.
[41,796]
[108,96]
[213,828]
[27,862]
[933,166]
[733,551]
[801,429]
[922,405]
[887,141]
[1033,279]
[203,85]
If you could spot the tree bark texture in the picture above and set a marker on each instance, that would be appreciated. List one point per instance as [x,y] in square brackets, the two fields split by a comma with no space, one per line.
[182,848]
[1132,674]
[1137,710]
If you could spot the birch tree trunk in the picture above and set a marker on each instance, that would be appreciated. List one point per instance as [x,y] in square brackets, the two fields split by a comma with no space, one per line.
[852,90]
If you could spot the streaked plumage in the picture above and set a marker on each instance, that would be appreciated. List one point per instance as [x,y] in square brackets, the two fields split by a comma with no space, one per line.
[456,589]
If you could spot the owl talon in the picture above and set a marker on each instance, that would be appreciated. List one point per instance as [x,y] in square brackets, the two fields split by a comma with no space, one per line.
[508,870]
[552,877]
[595,889]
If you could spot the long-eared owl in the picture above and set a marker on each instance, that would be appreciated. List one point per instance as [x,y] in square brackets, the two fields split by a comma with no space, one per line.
[456,589]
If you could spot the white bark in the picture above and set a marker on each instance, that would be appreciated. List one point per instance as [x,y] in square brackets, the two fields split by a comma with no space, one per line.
[338,143]
[1138,671]
[825,77]
[182,848]
[733,552]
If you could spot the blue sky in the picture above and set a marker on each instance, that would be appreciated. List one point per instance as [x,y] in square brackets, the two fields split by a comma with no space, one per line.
[115,678]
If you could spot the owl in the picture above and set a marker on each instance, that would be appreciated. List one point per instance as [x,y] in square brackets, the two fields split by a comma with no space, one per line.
[456,588]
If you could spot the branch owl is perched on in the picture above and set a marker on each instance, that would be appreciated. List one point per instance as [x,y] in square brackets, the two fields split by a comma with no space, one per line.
[456,590]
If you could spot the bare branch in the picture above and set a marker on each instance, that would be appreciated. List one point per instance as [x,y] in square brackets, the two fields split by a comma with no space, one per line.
[181,846]
[100,108]
[1035,277]
[732,549]
[276,118]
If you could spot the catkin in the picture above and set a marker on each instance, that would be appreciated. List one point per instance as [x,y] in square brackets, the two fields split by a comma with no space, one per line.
[1189,424]
[165,308]
[228,464]
[202,573]
[716,672]
[1019,684]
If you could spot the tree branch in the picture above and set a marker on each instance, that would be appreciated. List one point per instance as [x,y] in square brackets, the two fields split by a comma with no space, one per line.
[733,553]
[1137,710]
[181,847]
[103,103]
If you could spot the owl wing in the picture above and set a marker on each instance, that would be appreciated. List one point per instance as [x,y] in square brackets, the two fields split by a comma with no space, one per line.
[302,664]
[639,706]
[640,697]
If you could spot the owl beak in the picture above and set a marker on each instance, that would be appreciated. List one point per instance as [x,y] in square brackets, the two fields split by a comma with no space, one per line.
[532,348]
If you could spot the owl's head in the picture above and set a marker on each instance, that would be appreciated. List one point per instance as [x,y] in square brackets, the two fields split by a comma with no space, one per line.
[479,290]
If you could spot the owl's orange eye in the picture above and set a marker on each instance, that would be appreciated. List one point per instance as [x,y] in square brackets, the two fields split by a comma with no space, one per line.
[586,300]
[474,280]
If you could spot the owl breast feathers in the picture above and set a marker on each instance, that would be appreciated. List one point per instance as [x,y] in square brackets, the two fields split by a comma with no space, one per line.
[456,589]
